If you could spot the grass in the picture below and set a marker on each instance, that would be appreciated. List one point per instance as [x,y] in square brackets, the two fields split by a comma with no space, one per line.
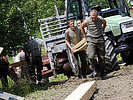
[23,88]
[131,13]
[119,58]
[60,77]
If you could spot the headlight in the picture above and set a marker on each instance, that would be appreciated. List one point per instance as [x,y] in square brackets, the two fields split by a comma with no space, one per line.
[127,26]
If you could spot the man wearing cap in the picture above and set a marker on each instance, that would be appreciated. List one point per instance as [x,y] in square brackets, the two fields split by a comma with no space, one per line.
[33,58]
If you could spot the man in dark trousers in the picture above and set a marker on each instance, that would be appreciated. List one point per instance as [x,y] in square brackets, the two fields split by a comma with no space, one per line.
[3,69]
[33,58]
[95,28]
[72,37]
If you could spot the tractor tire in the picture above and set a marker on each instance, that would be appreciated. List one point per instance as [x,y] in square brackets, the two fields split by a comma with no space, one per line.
[127,57]
[110,56]
[45,81]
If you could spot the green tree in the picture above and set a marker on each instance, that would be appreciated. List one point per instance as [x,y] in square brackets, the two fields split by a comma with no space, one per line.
[12,30]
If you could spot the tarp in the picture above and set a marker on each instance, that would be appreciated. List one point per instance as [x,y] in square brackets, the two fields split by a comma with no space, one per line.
[113,23]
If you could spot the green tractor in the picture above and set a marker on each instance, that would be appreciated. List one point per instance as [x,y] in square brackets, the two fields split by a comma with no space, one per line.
[119,31]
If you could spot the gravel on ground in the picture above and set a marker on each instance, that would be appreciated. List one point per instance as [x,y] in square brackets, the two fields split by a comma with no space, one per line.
[118,85]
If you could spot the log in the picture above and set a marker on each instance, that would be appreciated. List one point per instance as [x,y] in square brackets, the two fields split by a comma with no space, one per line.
[83,92]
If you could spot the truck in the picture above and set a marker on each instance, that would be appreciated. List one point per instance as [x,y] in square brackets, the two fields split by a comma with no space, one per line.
[118,34]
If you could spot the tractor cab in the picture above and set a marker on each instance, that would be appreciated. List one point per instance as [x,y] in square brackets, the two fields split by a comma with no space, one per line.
[75,9]
[80,8]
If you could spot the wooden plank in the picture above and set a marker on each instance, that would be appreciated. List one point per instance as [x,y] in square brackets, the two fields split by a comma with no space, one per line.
[47,29]
[79,43]
[50,18]
[55,29]
[8,96]
[60,36]
[54,25]
[53,21]
[57,15]
[58,31]
[45,19]
[80,46]
[83,92]
[59,42]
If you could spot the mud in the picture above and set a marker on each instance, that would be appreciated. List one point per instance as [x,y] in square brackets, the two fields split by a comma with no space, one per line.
[117,85]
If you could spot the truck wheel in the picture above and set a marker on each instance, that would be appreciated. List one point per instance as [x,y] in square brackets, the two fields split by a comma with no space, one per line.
[110,56]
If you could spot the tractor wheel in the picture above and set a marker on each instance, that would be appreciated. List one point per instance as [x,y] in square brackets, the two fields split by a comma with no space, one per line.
[127,57]
[45,81]
[110,56]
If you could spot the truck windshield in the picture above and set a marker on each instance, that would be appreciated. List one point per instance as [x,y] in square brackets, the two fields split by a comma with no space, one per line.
[103,3]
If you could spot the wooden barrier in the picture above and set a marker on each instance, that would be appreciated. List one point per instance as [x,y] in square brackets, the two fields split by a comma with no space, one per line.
[83,92]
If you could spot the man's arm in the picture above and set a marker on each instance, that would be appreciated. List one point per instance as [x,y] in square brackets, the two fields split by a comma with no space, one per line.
[82,26]
[6,60]
[68,44]
[67,39]
[103,23]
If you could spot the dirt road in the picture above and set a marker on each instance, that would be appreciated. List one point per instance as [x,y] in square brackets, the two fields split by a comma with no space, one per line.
[118,85]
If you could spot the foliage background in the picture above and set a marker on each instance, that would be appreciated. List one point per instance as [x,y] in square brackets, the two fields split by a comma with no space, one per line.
[12,31]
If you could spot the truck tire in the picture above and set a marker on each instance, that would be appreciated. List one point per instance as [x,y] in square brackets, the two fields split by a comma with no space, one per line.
[110,56]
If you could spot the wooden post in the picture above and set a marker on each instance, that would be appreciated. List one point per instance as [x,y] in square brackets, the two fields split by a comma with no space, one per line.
[57,15]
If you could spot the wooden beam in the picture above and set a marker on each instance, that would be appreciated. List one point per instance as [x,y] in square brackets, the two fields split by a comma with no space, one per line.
[82,45]
[8,96]
[83,92]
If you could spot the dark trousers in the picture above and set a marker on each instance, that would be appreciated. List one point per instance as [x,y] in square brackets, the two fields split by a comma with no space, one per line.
[36,63]
[96,50]
[80,57]
[3,76]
